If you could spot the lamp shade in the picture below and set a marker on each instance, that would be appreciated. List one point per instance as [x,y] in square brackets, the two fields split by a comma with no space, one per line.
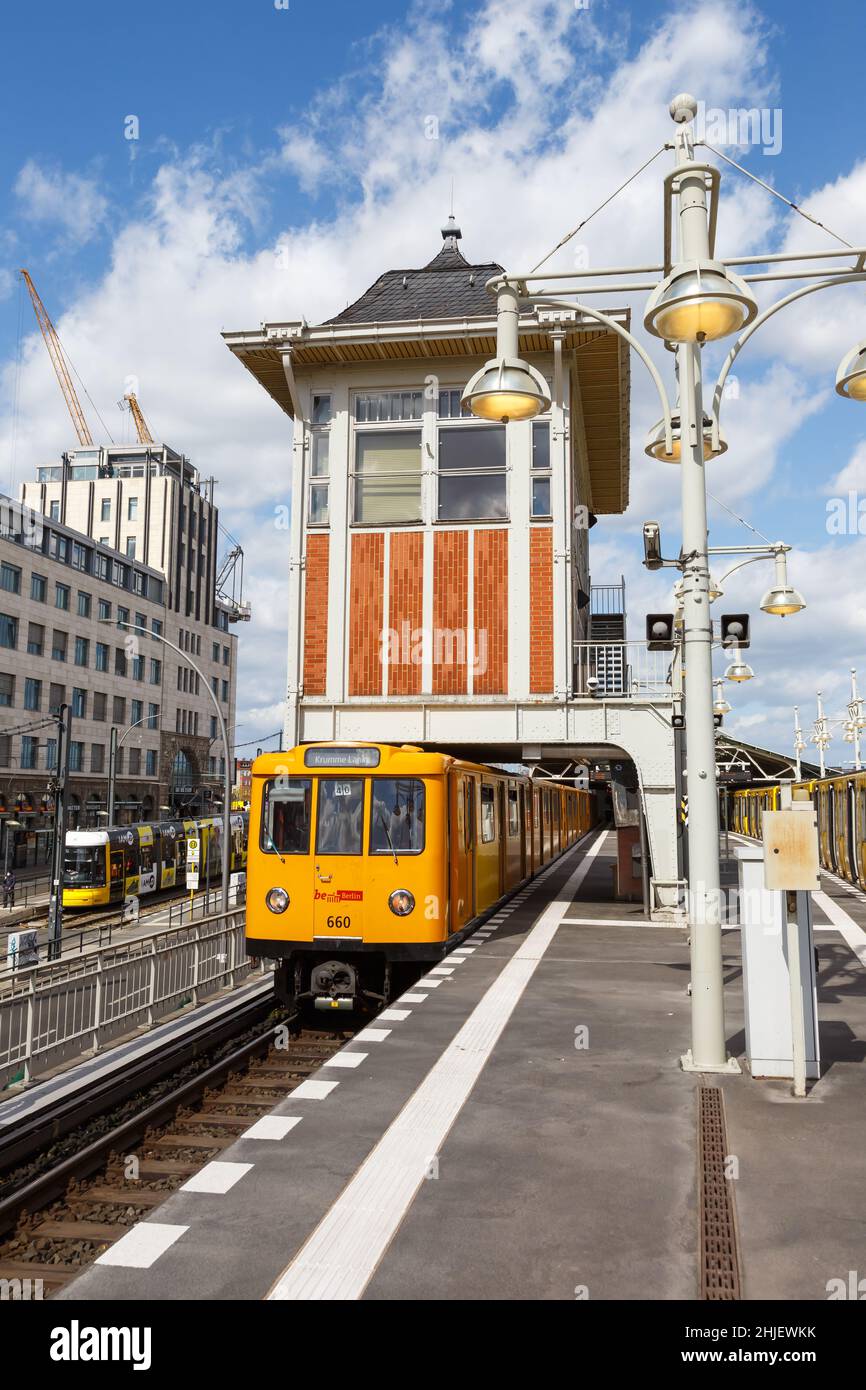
[656,445]
[781,600]
[851,374]
[507,389]
[698,303]
[739,671]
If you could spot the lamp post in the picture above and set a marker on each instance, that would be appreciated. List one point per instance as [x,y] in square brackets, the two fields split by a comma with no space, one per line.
[821,735]
[9,825]
[227,798]
[857,718]
[114,743]
[699,299]
[799,742]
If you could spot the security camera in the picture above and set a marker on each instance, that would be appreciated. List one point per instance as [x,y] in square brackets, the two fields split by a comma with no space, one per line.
[652,545]
[592,684]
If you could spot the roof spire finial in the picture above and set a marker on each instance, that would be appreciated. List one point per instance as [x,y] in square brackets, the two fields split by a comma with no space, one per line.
[451,233]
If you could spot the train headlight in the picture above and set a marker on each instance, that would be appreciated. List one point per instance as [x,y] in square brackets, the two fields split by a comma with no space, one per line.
[277,899]
[401,902]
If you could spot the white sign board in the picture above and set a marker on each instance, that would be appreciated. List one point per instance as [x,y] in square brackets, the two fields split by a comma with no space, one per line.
[193,851]
[192,878]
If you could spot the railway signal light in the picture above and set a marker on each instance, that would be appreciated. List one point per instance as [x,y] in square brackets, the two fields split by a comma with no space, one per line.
[735,630]
[660,632]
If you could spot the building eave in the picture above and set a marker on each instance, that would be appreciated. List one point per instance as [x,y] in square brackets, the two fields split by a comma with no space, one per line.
[601,364]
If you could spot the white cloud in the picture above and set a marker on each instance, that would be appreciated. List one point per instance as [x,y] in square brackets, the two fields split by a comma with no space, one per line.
[72,202]
[539,113]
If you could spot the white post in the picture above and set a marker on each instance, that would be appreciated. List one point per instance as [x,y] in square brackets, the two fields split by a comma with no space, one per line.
[708,1051]
[798,742]
[856,715]
[820,733]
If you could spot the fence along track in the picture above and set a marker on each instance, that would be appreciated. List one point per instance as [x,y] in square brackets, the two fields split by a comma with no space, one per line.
[58,1012]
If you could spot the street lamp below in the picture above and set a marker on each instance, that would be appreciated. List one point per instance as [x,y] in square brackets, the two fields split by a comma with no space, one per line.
[507,389]
[739,671]
[851,374]
[698,303]
[782,598]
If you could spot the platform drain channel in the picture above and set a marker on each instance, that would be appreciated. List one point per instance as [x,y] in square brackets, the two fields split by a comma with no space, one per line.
[720,1266]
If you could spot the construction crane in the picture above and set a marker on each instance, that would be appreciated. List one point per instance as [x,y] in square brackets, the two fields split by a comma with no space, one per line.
[58,360]
[141,429]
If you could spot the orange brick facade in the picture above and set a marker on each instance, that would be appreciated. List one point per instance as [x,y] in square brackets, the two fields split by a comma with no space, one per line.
[541,610]
[490,591]
[366,610]
[405,612]
[316,615]
[405,639]
[450,611]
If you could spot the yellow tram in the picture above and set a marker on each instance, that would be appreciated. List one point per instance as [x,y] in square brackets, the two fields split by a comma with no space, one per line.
[107,866]
[366,857]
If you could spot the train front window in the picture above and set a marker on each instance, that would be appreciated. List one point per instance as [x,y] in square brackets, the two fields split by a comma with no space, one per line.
[286,811]
[398,816]
[84,866]
[339,826]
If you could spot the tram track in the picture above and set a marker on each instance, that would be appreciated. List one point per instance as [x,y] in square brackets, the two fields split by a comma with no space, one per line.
[59,1219]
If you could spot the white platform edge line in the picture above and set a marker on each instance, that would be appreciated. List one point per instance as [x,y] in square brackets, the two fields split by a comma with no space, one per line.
[341,1255]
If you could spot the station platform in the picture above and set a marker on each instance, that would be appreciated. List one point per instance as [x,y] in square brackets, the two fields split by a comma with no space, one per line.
[517,1126]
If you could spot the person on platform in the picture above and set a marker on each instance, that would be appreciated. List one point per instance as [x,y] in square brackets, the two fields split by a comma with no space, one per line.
[9,889]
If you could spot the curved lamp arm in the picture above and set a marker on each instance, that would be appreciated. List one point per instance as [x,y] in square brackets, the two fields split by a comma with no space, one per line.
[615,327]
[136,725]
[750,561]
[854,277]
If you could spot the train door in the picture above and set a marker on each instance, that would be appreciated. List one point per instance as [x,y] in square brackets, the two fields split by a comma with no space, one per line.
[536,829]
[146,860]
[843,794]
[115,871]
[825,825]
[859,847]
[462,850]
[524,841]
[341,821]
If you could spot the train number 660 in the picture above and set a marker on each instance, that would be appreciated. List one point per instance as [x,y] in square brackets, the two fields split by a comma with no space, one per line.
[338,922]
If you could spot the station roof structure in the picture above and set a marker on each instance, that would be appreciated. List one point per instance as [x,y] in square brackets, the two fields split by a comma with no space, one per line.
[443,309]
[745,764]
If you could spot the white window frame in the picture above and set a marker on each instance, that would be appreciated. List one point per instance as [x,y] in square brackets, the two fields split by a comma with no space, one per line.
[321,482]
[360,427]
[456,422]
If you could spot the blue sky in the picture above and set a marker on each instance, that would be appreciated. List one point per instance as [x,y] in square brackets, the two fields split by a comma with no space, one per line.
[262,128]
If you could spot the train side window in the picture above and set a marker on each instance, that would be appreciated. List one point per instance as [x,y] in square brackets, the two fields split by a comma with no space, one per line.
[398,816]
[286,811]
[513,813]
[488,814]
[146,860]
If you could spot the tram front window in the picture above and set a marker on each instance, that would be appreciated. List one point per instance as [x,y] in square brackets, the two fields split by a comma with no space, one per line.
[84,866]
[397,821]
[339,826]
[286,815]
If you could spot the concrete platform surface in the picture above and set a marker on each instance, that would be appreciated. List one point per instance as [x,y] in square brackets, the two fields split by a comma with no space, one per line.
[517,1126]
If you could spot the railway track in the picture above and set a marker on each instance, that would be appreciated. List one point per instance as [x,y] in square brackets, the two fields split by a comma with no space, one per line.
[63,1217]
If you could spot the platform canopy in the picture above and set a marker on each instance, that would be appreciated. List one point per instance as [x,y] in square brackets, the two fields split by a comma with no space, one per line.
[746,764]
[443,310]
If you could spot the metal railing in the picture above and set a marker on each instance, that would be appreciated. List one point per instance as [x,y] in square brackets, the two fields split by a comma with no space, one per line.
[52,1013]
[623,670]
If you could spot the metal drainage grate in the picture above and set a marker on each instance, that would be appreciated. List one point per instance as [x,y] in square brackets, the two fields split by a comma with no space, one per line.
[720,1268]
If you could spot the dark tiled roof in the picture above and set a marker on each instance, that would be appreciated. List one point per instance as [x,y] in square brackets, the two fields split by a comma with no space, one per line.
[448,288]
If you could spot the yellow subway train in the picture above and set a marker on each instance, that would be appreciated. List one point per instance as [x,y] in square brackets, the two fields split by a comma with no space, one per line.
[840,803]
[365,859]
[101,867]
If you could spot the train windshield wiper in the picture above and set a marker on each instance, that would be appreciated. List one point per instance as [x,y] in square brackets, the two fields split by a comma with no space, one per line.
[388,833]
